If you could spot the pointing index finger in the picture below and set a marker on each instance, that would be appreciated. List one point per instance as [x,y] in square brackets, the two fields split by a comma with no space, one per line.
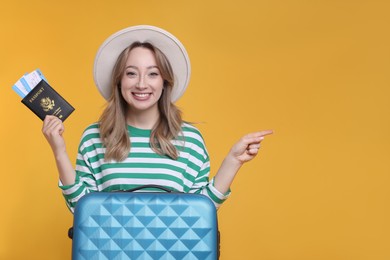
[265,132]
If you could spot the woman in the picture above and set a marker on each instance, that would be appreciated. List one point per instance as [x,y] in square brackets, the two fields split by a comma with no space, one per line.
[140,137]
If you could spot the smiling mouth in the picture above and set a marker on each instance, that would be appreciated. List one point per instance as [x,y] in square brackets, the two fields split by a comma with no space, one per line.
[141,95]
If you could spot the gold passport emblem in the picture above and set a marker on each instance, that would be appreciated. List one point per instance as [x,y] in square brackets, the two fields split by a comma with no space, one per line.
[47,104]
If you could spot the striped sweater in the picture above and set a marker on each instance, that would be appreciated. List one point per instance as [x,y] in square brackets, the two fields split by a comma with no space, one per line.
[189,173]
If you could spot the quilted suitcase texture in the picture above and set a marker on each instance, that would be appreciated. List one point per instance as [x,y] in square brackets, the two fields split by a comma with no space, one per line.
[145,225]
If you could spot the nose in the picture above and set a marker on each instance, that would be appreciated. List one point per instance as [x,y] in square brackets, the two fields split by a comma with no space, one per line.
[141,84]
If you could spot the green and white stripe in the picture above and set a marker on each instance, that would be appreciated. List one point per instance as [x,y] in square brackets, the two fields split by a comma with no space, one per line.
[189,173]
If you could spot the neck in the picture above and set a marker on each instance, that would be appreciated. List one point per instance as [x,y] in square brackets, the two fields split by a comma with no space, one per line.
[143,119]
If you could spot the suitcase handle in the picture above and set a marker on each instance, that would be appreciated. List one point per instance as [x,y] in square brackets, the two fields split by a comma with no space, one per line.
[150,186]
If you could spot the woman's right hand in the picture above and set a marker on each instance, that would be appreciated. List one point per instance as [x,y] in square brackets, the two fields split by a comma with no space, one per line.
[52,129]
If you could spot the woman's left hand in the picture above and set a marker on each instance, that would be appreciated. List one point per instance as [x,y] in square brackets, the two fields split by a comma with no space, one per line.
[243,151]
[248,146]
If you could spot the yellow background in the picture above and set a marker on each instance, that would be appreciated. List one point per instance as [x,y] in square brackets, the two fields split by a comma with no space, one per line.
[316,72]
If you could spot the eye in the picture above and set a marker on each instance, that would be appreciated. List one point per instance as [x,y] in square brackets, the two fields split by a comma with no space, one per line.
[153,74]
[131,74]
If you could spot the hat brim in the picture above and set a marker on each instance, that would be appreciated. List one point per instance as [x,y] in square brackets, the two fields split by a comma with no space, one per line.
[110,50]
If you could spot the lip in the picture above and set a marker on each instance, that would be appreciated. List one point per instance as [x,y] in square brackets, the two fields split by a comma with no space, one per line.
[141,96]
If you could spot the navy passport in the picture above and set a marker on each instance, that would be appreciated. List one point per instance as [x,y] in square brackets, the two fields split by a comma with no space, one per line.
[44,100]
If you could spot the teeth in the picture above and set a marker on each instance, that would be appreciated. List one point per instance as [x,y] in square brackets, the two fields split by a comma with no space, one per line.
[141,94]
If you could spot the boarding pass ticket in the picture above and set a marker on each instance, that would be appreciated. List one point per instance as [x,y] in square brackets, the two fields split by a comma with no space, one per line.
[26,83]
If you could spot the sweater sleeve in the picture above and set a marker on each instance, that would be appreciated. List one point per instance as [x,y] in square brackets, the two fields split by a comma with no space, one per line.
[206,187]
[203,185]
[85,181]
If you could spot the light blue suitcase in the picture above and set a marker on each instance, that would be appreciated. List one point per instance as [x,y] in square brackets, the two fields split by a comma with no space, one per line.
[145,225]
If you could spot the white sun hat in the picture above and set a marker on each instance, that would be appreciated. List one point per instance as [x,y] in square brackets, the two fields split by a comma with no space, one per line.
[110,50]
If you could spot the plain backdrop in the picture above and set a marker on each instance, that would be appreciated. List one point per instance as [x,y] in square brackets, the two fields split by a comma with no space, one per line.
[316,72]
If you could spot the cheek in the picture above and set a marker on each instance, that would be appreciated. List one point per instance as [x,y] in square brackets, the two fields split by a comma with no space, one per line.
[160,90]
[122,91]
[126,84]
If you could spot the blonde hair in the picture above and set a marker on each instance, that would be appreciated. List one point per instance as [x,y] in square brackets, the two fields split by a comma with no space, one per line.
[112,122]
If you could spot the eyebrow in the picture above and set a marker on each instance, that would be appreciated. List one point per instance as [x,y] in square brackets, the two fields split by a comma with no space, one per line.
[135,67]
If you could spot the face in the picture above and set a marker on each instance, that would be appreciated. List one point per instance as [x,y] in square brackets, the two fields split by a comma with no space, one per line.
[142,84]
